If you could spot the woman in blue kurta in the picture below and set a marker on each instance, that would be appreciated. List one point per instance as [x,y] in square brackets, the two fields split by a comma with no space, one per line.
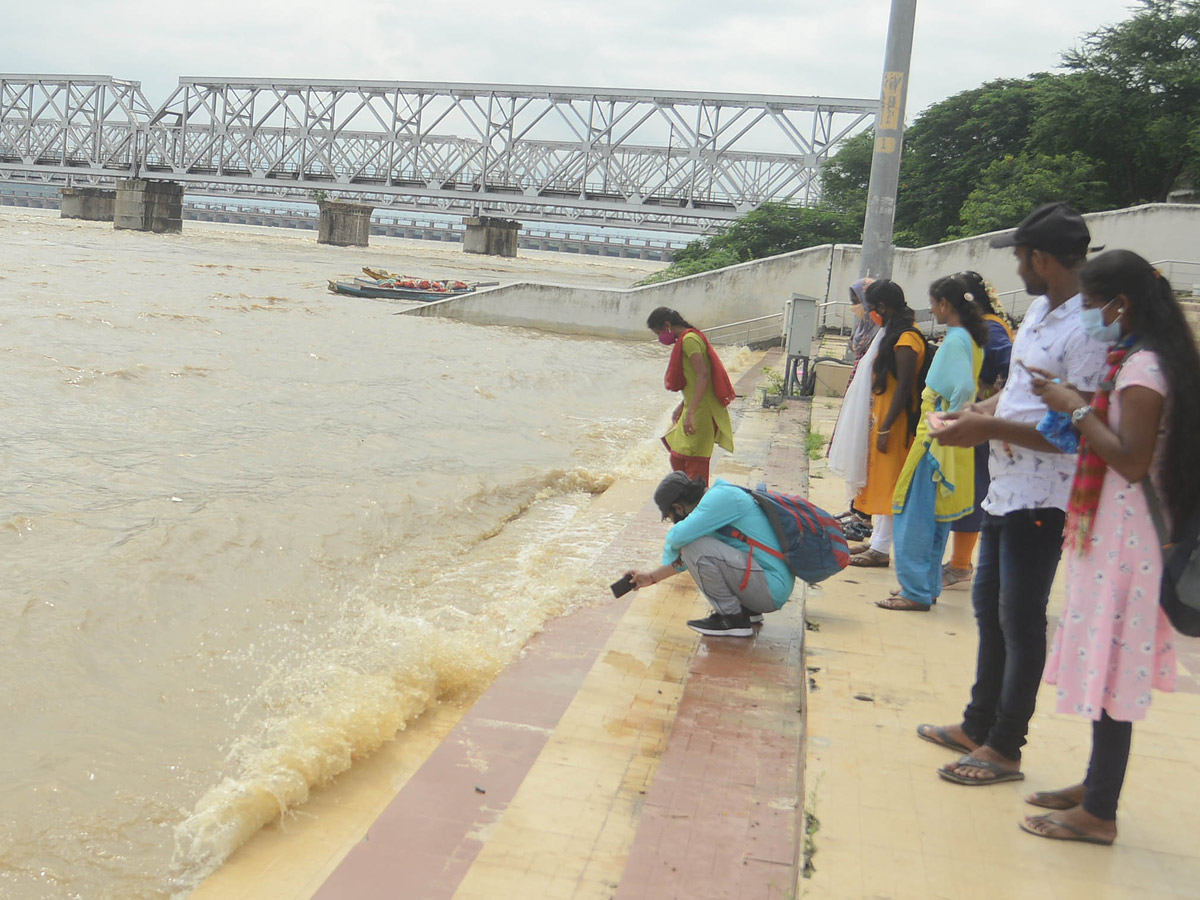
[937,484]
[958,571]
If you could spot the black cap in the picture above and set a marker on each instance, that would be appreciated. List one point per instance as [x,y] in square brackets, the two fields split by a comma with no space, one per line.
[1055,228]
[671,490]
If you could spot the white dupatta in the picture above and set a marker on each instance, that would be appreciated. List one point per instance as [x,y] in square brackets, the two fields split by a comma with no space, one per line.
[852,434]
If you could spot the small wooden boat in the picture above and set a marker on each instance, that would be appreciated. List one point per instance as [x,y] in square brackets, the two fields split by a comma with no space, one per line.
[386,286]
[361,288]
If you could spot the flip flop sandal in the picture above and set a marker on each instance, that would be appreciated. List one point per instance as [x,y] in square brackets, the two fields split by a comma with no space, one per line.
[998,774]
[897,602]
[936,734]
[871,559]
[1073,833]
[857,531]
[1056,800]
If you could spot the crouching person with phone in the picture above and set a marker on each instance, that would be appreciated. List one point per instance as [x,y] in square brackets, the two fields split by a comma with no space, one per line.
[722,536]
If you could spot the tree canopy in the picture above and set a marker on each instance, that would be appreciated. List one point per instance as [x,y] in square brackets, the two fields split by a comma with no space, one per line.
[1131,101]
[1120,126]
[771,229]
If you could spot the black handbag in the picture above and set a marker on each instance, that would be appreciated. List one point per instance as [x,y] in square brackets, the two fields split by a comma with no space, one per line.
[1180,592]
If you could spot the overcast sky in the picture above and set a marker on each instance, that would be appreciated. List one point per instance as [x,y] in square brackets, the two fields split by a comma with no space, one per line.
[831,48]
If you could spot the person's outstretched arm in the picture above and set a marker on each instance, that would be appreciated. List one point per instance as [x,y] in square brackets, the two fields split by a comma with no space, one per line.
[645,579]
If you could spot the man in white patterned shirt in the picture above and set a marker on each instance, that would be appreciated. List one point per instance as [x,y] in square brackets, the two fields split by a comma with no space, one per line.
[1021,538]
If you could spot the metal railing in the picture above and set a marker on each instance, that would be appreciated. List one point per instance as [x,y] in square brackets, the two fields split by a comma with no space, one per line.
[760,330]
[1184,276]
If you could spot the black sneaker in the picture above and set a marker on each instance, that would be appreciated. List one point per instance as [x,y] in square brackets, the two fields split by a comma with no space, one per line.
[719,624]
[755,618]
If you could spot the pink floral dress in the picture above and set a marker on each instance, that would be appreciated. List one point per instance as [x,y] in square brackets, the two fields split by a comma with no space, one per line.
[1114,643]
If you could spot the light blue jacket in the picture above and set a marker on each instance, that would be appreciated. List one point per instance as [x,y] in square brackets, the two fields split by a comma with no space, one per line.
[726,504]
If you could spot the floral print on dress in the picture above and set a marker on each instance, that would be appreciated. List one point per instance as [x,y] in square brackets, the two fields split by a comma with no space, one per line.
[1113,634]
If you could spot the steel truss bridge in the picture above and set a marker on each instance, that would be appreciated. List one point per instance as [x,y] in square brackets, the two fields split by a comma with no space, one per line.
[651,160]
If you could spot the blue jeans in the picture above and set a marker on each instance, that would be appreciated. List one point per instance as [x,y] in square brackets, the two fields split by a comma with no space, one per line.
[1018,556]
[919,540]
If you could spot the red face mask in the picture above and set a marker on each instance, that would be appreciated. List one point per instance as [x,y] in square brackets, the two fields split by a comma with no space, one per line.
[876,318]
[666,337]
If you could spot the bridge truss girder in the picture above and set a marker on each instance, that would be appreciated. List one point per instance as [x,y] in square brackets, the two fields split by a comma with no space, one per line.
[670,160]
[74,121]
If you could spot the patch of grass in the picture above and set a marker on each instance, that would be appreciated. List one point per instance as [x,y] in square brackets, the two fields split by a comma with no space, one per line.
[772,382]
[814,443]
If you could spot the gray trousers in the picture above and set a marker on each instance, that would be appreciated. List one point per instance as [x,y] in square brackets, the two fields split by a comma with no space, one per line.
[719,569]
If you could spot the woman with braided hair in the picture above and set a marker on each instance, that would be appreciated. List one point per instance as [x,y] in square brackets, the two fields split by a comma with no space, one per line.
[993,373]
[1138,436]
[937,484]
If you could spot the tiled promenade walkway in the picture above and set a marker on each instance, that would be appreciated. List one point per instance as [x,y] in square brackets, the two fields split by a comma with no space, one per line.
[889,827]
[625,756]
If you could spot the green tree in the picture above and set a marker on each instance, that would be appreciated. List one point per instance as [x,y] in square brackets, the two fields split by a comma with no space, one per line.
[694,265]
[1012,186]
[948,148]
[769,230]
[846,177]
[1132,101]
[775,228]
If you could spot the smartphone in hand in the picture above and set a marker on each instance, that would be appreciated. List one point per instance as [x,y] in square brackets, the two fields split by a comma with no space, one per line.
[622,587]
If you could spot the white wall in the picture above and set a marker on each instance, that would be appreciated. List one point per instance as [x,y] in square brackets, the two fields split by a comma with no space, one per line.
[760,288]
[739,292]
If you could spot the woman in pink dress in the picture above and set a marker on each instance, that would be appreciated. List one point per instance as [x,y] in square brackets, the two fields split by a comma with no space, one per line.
[1113,644]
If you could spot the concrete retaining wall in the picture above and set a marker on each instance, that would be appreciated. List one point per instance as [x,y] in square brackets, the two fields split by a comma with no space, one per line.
[712,298]
[761,287]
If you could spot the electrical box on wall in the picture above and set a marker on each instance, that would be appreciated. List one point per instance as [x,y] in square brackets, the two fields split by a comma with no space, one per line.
[799,324]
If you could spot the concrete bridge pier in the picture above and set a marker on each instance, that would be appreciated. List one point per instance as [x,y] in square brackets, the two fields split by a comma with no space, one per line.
[145,205]
[90,204]
[494,237]
[345,224]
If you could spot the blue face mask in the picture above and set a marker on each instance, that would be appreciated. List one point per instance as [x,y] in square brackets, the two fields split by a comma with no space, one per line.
[1094,327]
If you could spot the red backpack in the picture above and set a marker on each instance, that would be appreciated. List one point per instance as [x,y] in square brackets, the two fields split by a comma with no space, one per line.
[814,546]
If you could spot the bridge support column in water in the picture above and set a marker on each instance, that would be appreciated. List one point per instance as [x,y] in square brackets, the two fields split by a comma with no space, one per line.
[91,204]
[144,205]
[345,224]
[495,237]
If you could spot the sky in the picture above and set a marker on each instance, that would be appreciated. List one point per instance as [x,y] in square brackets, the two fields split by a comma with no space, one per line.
[831,48]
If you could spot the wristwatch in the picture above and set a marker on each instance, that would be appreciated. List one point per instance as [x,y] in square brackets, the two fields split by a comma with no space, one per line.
[1080,414]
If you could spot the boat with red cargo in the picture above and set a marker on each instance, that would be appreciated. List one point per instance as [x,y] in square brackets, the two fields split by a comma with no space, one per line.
[386,286]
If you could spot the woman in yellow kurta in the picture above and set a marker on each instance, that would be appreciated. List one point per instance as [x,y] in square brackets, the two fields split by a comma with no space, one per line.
[701,420]
[937,484]
[898,360]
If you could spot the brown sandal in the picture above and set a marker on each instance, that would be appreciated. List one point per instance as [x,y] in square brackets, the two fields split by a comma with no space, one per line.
[871,559]
[902,603]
